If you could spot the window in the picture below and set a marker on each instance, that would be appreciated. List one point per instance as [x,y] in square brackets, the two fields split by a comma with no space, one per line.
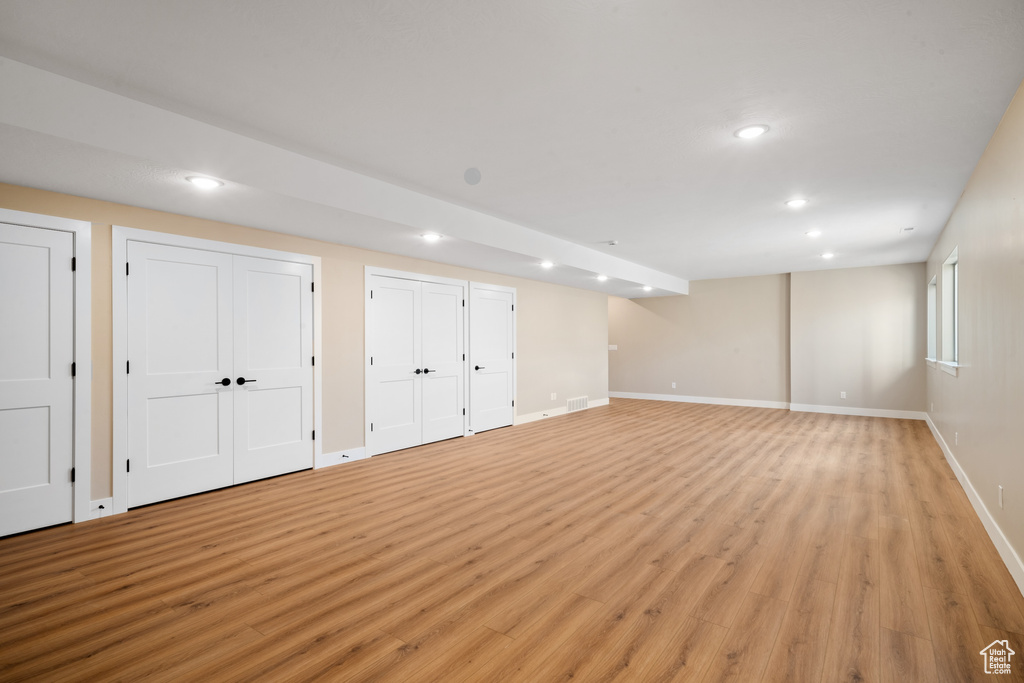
[933,315]
[951,309]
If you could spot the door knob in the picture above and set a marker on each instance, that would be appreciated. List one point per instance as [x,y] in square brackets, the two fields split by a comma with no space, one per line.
[418,371]
[428,370]
[242,380]
[226,382]
[479,367]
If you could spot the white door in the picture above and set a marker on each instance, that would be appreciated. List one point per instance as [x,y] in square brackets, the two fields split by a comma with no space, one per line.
[394,342]
[180,352]
[491,356]
[36,352]
[273,343]
[443,379]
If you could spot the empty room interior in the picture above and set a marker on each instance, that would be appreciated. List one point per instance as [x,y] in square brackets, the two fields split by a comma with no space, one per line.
[476,341]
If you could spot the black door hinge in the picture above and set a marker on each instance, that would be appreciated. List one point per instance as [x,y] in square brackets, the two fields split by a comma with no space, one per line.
[463,411]
[74,369]
[72,475]
[312,286]
[371,360]
[128,465]
[126,268]
[513,307]
[371,426]
[513,403]
[371,293]
[314,360]
[463,356]
[314,435]
[513,355]
[463,303]
[127,367]
[74,263]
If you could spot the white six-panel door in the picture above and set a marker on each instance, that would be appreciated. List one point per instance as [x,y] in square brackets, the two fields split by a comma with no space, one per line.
[220,382]
[415,376]
[180,350]
[491,356]
[36,386]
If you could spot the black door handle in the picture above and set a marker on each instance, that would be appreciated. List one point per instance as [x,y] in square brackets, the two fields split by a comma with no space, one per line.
[418,371]
[226,382]
[242,380]
[428,370]
[479,367]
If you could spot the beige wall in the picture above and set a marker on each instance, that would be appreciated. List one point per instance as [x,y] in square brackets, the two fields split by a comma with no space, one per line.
[728,339]
[984,403]
[561,332]
[862,331]
[800,338]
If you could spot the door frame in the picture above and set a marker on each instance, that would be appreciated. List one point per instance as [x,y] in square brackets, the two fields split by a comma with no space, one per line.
[120,236]
[368,272]
[81,401]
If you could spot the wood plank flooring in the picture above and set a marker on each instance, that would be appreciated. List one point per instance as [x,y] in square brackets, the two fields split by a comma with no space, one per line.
[639,541]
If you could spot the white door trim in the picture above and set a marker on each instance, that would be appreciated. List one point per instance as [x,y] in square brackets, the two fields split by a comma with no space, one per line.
[368,272]
[82,398]
[120,236]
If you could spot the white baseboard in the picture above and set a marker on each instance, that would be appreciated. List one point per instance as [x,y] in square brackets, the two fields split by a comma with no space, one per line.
[340,457]
[1010,557]
[561,410]
[862,412]
[101,508]
[742,402]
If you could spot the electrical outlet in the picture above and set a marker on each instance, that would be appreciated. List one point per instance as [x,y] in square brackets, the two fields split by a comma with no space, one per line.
[956,438]
[842,394]
[554,396]
[1000,497]
[673,385]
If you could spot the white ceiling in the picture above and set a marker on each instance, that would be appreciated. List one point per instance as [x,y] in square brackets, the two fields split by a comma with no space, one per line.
[589,120]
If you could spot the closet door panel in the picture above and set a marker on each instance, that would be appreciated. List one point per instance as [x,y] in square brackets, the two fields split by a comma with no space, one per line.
[180,347]
[443,386]
[273,354]
[394,342]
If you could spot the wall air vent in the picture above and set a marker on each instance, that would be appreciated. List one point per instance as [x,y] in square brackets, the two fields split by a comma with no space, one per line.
[574,404]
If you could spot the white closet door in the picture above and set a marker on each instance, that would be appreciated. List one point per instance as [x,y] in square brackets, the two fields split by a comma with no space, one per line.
[393,397]
[36,352]
[443,381]
[274,355]
[491,364]
[179,349]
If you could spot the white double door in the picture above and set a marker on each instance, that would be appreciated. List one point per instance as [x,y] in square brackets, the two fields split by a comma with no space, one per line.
[415,388]
[219,370]
[36,387]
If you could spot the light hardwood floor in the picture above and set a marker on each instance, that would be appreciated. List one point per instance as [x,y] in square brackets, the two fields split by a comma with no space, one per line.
[639,541]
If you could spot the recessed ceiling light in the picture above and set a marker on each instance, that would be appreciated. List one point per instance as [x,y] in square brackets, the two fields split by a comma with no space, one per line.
[431,237]
[751,132]
[546,264]
[602,278]
[796,203]
[827,255]
[204,183]
[813,233]
[648,288]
